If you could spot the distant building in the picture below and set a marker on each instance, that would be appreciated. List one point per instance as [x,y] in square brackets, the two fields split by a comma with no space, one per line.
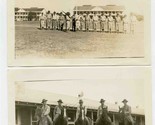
[98,9]
[25,14]
[27,101]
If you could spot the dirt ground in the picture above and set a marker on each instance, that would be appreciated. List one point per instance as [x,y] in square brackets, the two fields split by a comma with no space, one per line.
[32,42]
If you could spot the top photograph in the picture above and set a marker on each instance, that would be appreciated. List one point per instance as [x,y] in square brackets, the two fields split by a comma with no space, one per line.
[78,32]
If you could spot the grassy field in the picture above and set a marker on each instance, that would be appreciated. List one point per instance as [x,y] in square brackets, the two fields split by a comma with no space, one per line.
[32,42]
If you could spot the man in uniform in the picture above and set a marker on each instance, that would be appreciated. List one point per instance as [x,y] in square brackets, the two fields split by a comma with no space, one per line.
[118,23]
[45,111]
[95,21]
[110,19]
[58,110]
[48,20]
[103,19]
[126,112]
[79,112]
[133,23]
[54,20]
[74,22]
[100,111]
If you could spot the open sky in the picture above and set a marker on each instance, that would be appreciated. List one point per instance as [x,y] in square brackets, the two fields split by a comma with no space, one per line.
[68,5]
[112,90]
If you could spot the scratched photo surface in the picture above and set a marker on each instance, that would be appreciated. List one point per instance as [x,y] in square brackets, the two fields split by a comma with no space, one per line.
[79,29]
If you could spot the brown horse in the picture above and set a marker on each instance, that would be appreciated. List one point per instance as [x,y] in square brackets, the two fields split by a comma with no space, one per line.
[83,120]
[104,119]
[62,119]
[41,120]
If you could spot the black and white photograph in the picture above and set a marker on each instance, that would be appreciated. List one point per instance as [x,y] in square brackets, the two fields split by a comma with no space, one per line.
[56,32]
[120,99]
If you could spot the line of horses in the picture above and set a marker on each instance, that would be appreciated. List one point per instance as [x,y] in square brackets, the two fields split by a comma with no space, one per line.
[82,120]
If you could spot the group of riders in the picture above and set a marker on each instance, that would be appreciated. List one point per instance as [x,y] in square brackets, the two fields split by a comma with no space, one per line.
[60,117]
[104,22]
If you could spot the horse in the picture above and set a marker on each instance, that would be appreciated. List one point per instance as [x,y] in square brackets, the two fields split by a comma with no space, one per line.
[41,120]
[62,119]
[125,120]
[104,119]
[83,120]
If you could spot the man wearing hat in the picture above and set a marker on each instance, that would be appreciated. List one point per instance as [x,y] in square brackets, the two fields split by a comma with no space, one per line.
[126,112]
[45,109]
[79,110]
[101,109]
[58,110]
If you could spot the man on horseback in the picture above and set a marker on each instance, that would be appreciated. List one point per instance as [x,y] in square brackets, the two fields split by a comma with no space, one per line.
[126,113]
[58,111]
[102,114]
[81,114]
[45,111]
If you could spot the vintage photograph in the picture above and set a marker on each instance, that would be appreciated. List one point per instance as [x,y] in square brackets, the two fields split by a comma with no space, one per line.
[115,97]
[71,102]
[80,29]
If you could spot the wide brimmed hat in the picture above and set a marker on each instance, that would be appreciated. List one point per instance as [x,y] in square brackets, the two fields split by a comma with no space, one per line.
[60,101]
[102,100]
[80,101]
[125,100]
[44,100]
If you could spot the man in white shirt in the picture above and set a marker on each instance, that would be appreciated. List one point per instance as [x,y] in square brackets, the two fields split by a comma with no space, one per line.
[95,21]
[54,20]
[46,111]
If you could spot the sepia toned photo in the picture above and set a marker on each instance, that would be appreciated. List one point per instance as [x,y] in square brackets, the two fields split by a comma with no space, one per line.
[78,100]
[77,32]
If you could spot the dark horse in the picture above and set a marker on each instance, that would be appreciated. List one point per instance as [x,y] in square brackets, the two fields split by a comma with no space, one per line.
[104,119]
[62,119]
[83,120]
[124,119]
[41,120]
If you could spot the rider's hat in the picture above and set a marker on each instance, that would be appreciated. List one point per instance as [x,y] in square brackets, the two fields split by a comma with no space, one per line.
[60,101]
[44,100]
[102,100]
[80,101]
[125,100]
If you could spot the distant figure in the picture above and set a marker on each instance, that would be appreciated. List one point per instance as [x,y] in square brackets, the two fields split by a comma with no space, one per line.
[106,28]
[125,24]
[103,21]
[61,21]
[125,112]
[110,19]
[48,22]
[77,22]
[118,23]
[87,22]
[54,20]
[74,23]
[68,21]
[95,20]
[91,23]
[42,21]
[57,21]
[133,23]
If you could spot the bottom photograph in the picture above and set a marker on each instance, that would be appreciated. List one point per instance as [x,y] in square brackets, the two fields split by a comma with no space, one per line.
[111,98]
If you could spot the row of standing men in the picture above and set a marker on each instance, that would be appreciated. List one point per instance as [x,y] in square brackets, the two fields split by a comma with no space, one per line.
[87,22]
